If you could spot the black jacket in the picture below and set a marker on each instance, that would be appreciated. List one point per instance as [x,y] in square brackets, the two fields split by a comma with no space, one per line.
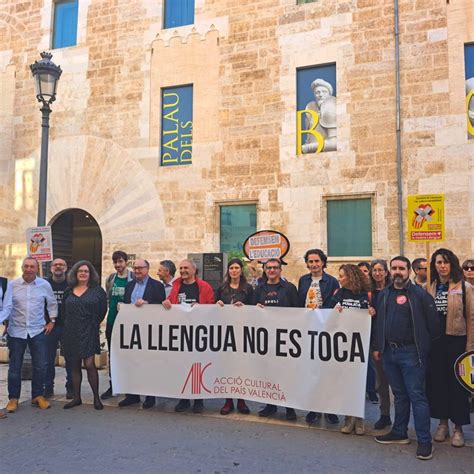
[286,293]
[425,319]
[154,292]
[328,285]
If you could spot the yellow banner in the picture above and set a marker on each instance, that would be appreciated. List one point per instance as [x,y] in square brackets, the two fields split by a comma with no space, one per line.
[426,218]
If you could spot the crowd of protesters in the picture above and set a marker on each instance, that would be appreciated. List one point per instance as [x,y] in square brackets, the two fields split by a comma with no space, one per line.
[419,329]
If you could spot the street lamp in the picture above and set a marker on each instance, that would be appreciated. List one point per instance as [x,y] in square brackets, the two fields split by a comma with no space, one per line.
[46,75]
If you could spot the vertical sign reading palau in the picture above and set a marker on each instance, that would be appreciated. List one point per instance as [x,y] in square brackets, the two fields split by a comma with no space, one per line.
[469,68]
[177,125]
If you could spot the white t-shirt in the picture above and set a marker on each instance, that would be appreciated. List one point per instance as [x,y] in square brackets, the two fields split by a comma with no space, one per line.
[314,298]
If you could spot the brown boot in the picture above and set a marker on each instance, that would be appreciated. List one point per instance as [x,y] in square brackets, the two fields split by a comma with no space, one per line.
[40,402]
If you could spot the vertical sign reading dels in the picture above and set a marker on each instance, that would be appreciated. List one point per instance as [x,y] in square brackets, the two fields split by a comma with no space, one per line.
[177,126]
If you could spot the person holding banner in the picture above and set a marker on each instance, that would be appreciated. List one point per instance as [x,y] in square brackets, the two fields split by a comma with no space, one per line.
[315,290]
[454,299]
[407,323]
[238,292]
[142,290]
[275,291]
[354,293]
[380,279]
[189,289]
[85,306]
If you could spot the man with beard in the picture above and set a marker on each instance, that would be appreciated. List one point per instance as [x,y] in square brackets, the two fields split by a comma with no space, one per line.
[58,283]
[407,322]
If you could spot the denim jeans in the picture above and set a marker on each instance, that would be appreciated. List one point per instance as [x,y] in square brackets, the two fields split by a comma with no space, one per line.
[52,341]
[371,377]
[406,376]
[38,350]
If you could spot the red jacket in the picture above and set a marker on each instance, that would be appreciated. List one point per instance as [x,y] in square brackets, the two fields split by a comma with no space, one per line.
[206,293]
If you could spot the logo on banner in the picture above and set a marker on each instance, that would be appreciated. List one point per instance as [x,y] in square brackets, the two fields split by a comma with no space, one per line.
[195,378]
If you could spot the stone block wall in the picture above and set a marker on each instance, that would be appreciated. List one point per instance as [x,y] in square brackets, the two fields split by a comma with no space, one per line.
[241,57]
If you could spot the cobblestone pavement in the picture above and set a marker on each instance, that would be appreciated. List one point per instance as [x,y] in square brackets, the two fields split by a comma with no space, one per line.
[158,440]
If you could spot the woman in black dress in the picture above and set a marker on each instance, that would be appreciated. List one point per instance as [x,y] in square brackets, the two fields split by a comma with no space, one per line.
[85,306]
[238,292]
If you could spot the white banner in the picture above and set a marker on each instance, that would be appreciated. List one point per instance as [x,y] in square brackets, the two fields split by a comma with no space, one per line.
[308,359]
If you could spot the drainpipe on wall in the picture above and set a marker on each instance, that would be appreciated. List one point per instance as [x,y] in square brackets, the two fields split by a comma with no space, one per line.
[398,131]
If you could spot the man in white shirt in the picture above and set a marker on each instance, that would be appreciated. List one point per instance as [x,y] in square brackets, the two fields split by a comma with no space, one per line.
[27,326]
[4,308]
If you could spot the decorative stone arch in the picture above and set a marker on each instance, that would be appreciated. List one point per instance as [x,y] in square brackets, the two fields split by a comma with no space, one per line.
[100,176]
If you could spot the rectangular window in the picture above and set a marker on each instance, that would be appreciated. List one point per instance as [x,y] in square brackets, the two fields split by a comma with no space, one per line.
[178,13]
[65,23]
[300,2]
[316,112]
[236,224]
[177,126]
[349,227]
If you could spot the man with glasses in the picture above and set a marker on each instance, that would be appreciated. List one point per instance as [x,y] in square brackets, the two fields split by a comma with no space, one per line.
[140,291]
[419,269]
[58,283]
[275,292]
[115,289]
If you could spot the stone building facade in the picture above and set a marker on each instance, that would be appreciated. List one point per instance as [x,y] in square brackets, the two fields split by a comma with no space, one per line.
[241,58]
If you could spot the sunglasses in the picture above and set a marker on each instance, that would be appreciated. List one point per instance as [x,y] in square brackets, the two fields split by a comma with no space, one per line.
[468,268]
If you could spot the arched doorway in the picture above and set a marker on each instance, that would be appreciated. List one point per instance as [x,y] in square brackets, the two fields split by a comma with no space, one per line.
[77,236]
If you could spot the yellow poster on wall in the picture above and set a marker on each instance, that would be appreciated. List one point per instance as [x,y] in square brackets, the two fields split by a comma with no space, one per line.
[426,218]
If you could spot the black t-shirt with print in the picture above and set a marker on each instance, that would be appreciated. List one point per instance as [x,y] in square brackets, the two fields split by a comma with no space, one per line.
[188,293]
[348,299]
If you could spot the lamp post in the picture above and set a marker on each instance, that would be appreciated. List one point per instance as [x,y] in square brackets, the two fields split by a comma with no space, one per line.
[46,75]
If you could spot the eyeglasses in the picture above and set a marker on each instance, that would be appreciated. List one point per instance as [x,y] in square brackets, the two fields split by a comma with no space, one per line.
[139,268]
[467,268]
[82,271]
[272,268]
